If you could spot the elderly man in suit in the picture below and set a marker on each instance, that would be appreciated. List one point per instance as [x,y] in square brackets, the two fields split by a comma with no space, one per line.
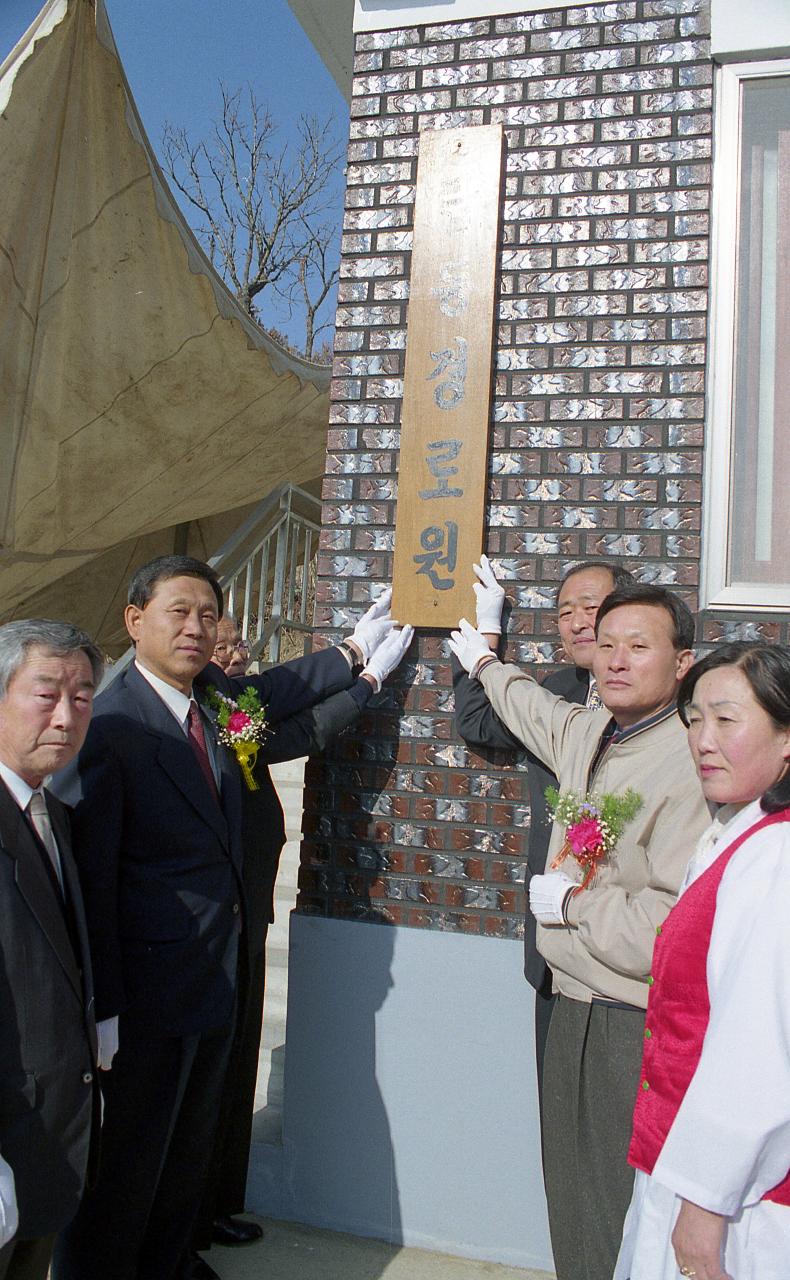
[48,1096]
[158,812]
[582,589]
[231,652]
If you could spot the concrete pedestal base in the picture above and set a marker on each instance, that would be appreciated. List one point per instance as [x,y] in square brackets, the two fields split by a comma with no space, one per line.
[410,1107]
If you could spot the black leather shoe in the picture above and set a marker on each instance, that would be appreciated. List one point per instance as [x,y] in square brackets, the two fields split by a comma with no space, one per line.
[196,1268]
[230,1231]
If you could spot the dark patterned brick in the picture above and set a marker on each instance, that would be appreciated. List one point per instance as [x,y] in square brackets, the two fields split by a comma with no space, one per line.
[597,423]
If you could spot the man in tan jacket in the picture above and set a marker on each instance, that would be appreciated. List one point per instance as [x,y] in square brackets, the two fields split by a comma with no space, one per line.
[598,941]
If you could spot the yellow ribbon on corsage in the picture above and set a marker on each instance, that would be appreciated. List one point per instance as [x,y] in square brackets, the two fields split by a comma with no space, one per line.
[241,726]
[247,754]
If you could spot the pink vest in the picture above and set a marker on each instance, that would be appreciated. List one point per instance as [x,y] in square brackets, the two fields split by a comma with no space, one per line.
[678,1011]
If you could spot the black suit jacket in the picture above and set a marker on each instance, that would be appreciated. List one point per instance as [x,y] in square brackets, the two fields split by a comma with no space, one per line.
[480,726]
[48,1092]
[160,860]
[263,823]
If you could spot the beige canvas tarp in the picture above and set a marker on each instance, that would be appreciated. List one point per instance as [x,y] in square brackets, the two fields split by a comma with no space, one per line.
[135,394]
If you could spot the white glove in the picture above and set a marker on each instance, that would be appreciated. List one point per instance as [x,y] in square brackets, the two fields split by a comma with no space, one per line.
[374,625]
[548,894]
[9,1217]
[387,655]
[490,598]
[469,647]
[107,1034]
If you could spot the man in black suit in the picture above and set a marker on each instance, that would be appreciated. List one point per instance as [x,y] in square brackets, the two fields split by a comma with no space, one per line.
[581,592]
[263,837]
[48,1049]
[158,828]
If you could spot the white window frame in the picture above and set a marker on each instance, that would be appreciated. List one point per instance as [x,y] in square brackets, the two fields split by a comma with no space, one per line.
[716,592]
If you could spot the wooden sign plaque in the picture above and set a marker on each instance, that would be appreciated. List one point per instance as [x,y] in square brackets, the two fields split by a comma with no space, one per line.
[447,384]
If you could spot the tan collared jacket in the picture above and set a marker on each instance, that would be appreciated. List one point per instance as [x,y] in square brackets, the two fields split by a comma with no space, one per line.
[607,948]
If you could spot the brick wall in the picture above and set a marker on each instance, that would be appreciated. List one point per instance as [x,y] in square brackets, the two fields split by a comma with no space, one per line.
[596,442]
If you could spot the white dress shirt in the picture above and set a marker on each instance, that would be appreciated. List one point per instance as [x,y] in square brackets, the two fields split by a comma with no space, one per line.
[178,705]
[108,1029]
[22,792]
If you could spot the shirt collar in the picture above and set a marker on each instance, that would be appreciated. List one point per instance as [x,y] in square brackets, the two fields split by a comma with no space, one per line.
[20,790]
[621,735]
[729,822]
[612,736]
[176,702]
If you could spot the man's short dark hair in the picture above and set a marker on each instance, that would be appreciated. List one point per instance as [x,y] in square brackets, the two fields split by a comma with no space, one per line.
[643,593]
[148,576]
[620,577]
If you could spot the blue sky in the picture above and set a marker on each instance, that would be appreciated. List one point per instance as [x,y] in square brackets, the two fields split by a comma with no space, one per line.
[175,52]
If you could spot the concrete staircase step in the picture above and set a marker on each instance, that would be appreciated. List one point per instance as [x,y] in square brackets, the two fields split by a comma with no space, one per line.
[288,874]
[267,1122]
[289,770]
[274,1021]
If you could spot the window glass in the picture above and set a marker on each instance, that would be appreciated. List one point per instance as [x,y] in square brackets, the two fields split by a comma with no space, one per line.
[759,550]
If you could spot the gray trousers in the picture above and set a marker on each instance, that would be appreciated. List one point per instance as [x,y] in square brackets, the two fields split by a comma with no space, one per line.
[591,1073]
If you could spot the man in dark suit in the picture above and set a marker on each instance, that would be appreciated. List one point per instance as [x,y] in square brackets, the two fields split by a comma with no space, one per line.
[263,837]
[581,592]
[48,1049]
[158,824]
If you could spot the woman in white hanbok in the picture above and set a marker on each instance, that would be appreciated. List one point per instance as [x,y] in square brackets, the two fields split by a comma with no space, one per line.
[699,1207]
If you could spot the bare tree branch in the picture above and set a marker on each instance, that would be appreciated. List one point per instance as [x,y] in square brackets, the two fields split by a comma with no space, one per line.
[317,277]
[259,205]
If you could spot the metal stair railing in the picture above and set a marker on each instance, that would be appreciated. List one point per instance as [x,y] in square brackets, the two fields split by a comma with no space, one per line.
[264,572]
[275,544]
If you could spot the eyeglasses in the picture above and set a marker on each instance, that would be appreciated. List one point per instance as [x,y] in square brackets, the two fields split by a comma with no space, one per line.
[239,646]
